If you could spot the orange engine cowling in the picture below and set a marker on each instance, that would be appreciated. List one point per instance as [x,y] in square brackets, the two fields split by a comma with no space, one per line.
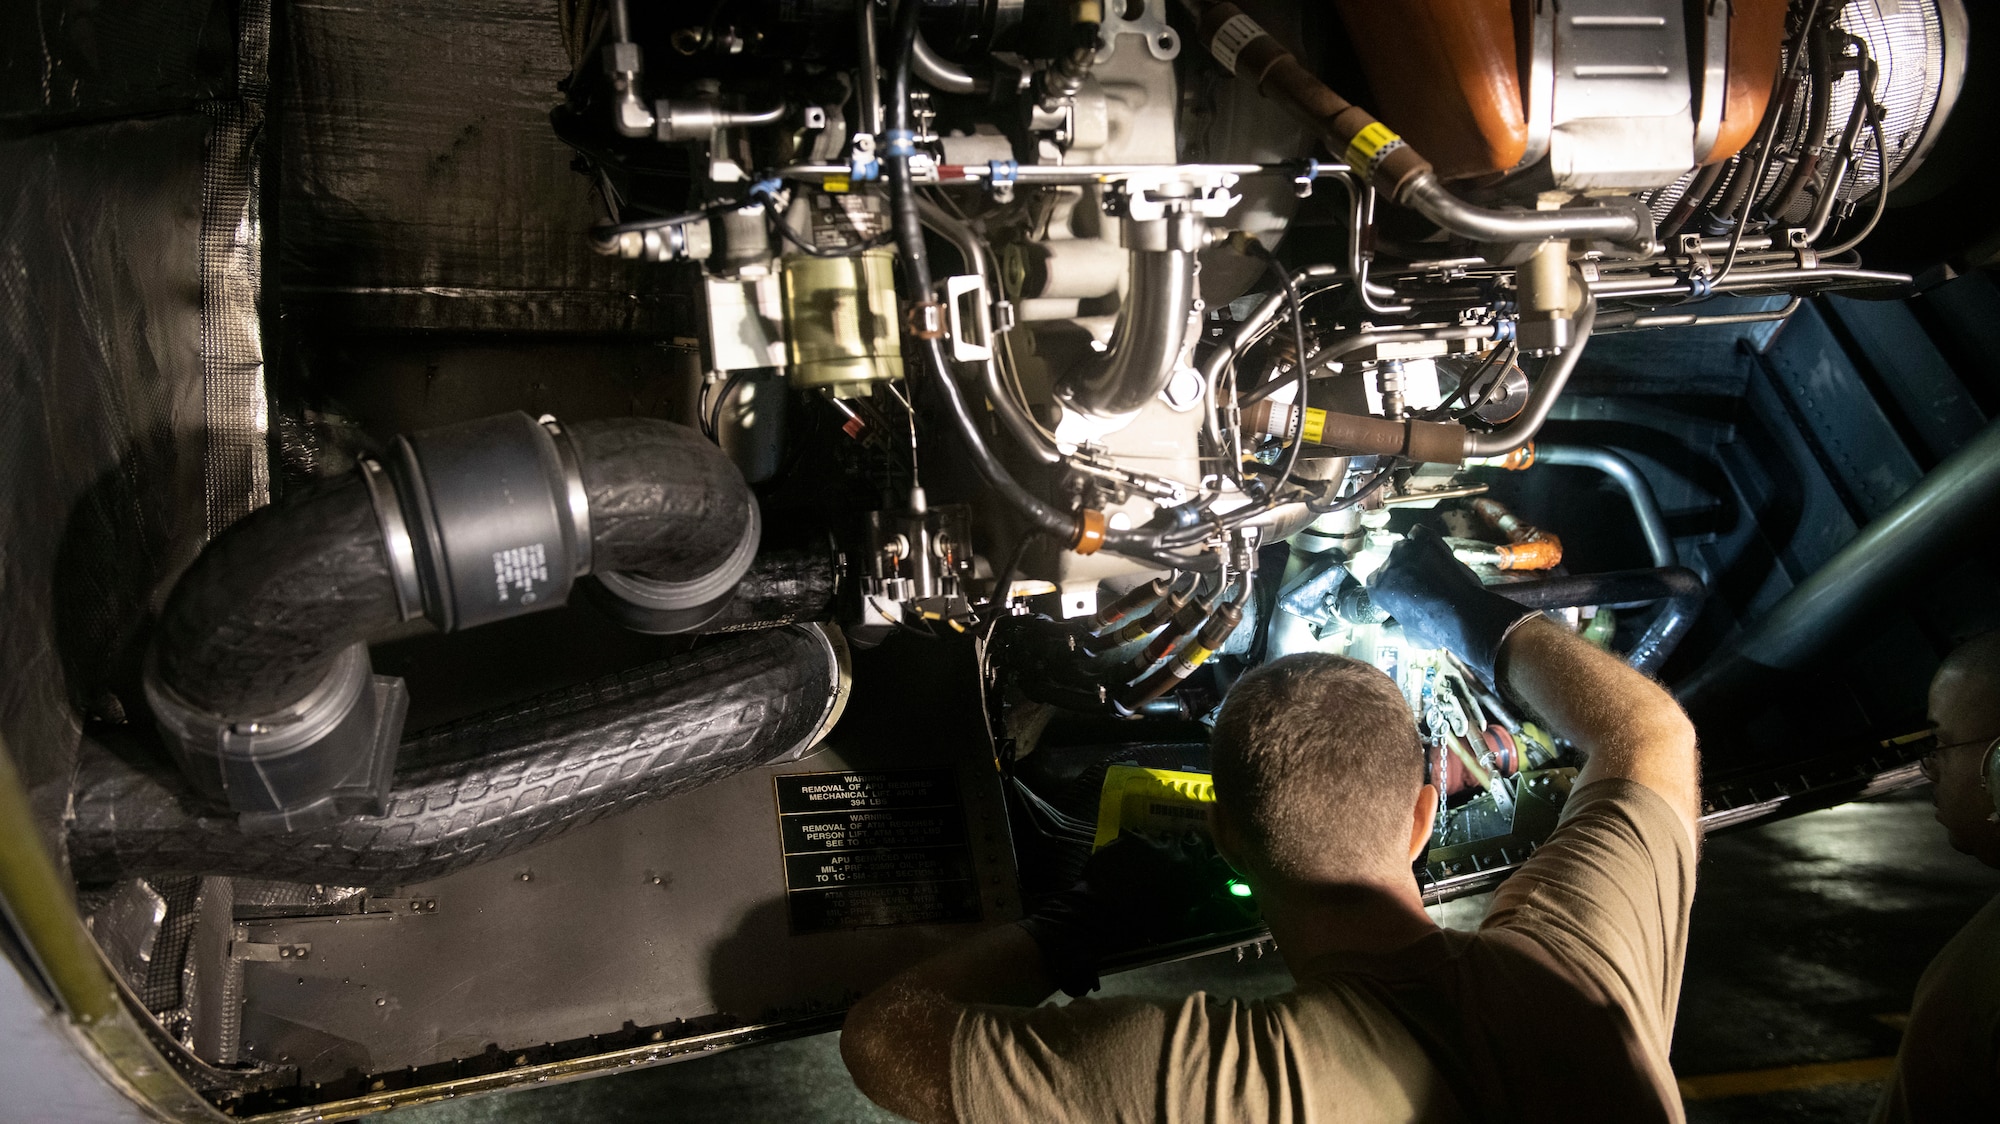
[1449,75]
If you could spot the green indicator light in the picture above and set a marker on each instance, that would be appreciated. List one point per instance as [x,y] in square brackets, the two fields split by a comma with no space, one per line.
[1239,889]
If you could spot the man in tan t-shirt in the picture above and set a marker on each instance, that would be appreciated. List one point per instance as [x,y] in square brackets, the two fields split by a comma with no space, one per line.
[1560,1007]
[1949,1066]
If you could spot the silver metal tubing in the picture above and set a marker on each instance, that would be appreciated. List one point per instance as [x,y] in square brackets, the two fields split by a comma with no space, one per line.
[629,112]
[1542,398]
[1629,321]
[1013,413]
[1922,532]
[683,119]
[942,74]
[1743,280]
[1080,174]
[1260,318]
[1822,209]
[1152,327]
[1627,476]
[1622,221]
[868,88]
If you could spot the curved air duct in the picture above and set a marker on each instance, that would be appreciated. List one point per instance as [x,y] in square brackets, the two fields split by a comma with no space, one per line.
[1147,341]
[258,676]
[494,783]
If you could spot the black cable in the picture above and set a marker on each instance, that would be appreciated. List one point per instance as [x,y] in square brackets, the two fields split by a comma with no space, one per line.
[1770,130]
[632,226]
[916,279]
[1466,384]
[786,231]
[711,414]
[1003,581]
[1492,385]
[1303,369]
[1367,488]
[926,632]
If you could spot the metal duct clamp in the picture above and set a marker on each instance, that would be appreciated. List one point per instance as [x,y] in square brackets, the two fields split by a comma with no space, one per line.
[329,755]
[495,515]
[660,607]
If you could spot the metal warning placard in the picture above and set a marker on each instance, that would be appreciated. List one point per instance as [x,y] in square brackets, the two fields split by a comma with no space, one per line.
[868,848]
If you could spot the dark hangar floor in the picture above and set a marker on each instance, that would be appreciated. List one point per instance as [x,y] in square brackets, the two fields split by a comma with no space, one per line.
[1809,935]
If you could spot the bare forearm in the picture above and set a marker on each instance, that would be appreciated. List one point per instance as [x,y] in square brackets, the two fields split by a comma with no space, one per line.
[1626,725]
[897,1040]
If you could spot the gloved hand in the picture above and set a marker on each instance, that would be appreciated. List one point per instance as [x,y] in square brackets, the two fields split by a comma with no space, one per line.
[1440,602]
[1132,892]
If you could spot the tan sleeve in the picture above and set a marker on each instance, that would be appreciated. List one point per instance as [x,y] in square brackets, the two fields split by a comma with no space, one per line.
[1317,1055]
[1087,1061]
[1608,894]
[1129,1059]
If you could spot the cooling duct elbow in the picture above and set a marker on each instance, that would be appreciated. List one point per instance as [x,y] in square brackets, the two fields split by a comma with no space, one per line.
[258,676]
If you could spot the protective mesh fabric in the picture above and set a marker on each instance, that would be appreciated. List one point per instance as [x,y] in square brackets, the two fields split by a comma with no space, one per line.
[237,478]
[102,436]
[421,186]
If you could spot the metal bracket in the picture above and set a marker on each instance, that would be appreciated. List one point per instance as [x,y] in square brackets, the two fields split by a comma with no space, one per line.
[1697,258]
[1802,249]
[975,346]
[402,905]
[244,949]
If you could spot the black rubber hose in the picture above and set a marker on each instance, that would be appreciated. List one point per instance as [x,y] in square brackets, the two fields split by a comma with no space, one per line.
[908,226]
[491,784]
[1819,105]
[782,587]
[256,621]
[1679,587]
[663,502]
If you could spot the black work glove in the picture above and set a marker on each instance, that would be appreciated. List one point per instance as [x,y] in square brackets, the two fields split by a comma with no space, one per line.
[1440,602]
[1132,893]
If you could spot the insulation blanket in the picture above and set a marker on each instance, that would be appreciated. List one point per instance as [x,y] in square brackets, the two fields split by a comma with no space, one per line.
[101,440]
[422,186]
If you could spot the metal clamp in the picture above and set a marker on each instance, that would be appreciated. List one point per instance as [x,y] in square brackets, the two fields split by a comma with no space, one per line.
[576,495]
[395,538]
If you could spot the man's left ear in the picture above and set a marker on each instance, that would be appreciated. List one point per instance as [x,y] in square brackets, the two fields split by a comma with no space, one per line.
[1423,818]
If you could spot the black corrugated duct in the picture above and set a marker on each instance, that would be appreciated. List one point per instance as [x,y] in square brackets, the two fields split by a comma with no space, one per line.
[494,783]
[258,676]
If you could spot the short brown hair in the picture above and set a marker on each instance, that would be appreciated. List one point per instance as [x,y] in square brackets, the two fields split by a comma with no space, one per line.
[1317,763]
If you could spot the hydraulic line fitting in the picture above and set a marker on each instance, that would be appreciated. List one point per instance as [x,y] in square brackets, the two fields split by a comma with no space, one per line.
[1213,635]
[1121,610]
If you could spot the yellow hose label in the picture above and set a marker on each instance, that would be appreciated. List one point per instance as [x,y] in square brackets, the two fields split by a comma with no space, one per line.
[1236,33]
[1370,145]
[1315,426]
